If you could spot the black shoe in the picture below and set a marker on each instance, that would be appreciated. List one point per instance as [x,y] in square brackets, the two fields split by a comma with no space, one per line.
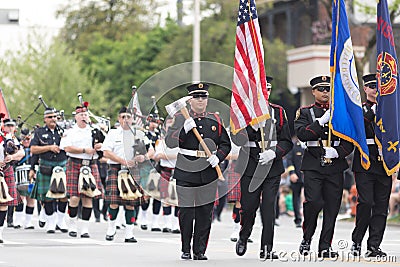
[327,253]
[17,226]
[143,227]
[199,257]
[305,247]
[42,224]
[85,235]
[356,249]
[234,239]
[268,256]
[375,252]
[298,225]
[51,231]
[241,247]
[166,230]
[130,240]
[62,230]
[186,256]
[73,234]
[10,225]
[156,229]
[98,220]
[110,237]
[250,240]
[1,241]
[29,227]
[176,231]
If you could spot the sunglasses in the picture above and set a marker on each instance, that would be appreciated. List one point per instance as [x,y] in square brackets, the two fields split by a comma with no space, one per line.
[51,117]
[200,97]
[323,88]
[126,117]
[372,86]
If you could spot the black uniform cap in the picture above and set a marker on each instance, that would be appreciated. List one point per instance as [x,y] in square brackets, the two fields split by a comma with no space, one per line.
[320,81]
[48,111]
[9,122]
[369,79]
[125,110]
[200,89]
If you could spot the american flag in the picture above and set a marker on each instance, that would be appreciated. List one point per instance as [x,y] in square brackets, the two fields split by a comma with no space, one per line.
[249,103]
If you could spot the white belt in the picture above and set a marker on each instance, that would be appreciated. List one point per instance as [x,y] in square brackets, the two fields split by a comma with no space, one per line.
[193,153]
[324,143]
[254,144]
[370,141]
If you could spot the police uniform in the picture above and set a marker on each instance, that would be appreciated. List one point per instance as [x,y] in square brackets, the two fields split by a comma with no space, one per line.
[373,187]
[323,185]
[196,179]
[44,136]
[293,160]
[277,137]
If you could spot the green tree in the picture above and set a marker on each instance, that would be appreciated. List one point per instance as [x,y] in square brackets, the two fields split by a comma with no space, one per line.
[52,73]
[112,19]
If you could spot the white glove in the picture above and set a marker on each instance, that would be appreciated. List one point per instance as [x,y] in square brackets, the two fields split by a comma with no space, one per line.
[331,153]
[266,156]
[373,108]
[380,152]
[213,160]
[189,125]
[325,118]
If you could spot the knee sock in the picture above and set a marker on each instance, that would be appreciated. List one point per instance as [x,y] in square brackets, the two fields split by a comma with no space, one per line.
[86,212]
[113,213]
[29,210]
[145,205]
[48,208]
[176,211]
[156,206]
[129,216]
[2,217]
[19,207]
[61,206]
[167,210]
[72,211]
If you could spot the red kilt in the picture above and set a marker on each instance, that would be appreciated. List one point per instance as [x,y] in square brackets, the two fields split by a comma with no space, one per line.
[72,176]
[12,188]
[233,183]
[112,192]
[166,174]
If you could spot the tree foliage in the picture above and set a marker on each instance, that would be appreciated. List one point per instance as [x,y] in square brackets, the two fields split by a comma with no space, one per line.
[50,72]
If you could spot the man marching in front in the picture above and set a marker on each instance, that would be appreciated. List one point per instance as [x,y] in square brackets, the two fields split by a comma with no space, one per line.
[195,174]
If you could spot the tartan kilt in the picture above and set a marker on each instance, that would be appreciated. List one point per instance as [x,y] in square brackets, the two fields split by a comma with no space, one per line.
[12,187]
[163,183]
[233,183]
[72,175]
[112,193]
[42,183]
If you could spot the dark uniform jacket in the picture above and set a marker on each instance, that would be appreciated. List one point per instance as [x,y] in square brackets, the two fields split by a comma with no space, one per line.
[376,165]
[308,129]
[193,169]
[43,136]
[247,163]
[293,160]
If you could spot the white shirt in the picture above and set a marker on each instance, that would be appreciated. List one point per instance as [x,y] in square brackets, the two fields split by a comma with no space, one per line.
[161,147]
[121,142]
[78,137]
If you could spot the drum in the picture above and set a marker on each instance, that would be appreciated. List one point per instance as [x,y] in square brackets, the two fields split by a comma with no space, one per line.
[22,179]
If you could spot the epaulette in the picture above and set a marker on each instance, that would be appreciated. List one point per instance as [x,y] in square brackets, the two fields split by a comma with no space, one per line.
[309,106]
[275,105]
[280,113]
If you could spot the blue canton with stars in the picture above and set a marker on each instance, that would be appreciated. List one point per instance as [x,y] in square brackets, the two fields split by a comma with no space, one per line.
[247,11]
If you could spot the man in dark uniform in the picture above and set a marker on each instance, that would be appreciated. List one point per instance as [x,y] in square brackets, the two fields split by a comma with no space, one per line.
[373,185]
[46,144]
[323,165]
[296,177]
[266,166]
[195,175]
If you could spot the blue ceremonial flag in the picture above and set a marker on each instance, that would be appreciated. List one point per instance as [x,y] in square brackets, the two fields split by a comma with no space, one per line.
[347,119]
[387,129]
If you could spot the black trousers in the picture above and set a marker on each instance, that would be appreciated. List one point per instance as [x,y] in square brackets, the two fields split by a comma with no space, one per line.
[296,192]
[322,192]
[250,202]
[196,204]
[373,200]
